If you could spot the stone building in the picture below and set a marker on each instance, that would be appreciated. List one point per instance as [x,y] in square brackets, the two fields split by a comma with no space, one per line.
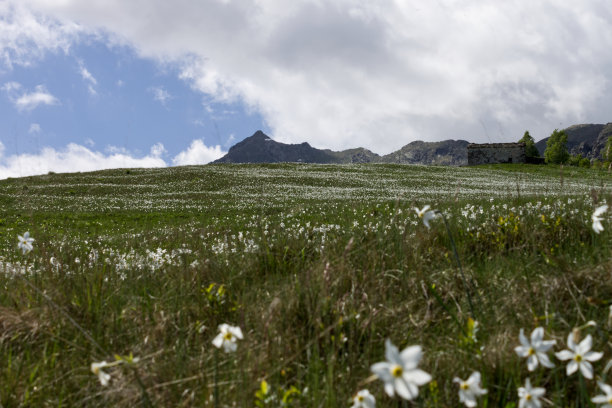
[491,153]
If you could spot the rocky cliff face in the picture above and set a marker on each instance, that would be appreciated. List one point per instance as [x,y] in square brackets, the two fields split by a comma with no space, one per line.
[588,140]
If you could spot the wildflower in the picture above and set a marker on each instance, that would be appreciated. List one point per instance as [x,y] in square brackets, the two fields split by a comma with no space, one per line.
[227,337]
[580,356]
[425,214]
[400,373]
[535,350]
[604,399]
[25,242]
[96,368]
[529,396]
[470,389]
[596,218]
[364,399]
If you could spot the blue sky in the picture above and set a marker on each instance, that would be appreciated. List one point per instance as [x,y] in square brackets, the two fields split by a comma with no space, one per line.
[144,83]
[107,98]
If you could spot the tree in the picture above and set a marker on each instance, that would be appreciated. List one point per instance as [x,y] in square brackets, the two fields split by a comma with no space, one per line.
[530,148]
[556,148]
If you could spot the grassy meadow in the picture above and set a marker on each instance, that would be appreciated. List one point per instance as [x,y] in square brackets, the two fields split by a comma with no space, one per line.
[317,264]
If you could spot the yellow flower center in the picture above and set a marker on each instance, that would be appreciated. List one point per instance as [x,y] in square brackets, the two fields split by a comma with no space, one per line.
[528,397]
[610,400]
[228,336]
[360,398]
[397,371]
[531,351]
[464,386]
[578,358]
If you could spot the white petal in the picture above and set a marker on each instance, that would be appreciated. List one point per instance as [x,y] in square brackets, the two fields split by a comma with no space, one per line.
[564,355]
[392,353]
[218,341]
[586,369]
[236,331]
[585,345]
[523,339]
[538,392]
[382,371]
[593,356]
[389,389]
[605,388]
[572,367]
[570,342]
[600,399]
[411,356]
[545,360]
[537,335]
[417,376]
[406,389]
[474,378]
[522,351]
[546,345]
[532,362]
[600,210]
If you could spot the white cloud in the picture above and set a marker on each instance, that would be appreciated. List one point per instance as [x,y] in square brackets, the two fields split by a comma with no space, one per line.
[160,94]
[75,157]
[346,73]
[25,36]
[89,78]
[198,153]
[72,158]
[27,101]
[34,128]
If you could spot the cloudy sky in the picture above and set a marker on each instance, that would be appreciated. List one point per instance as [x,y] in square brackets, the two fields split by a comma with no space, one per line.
[90,84]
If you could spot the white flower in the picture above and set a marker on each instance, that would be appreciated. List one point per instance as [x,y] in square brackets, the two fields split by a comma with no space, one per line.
[530,397]
[604,399]
[227,337]
[400,373]
[597,219]
[535,351]
[470,389]
[425,214]
[364,399]
[96,368]
[25,242]
[580,355]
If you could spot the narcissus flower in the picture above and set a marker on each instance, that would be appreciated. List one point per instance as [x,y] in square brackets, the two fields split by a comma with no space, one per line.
[425,214]
[535,350]
[364,399]
[96,368]
[228,337]
[25,242]
[597,219]
[400,373]
[470,389]
[580,356]
[606,399]
[529,397]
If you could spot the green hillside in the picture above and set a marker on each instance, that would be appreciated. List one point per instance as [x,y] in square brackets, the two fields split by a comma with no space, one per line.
[317,264]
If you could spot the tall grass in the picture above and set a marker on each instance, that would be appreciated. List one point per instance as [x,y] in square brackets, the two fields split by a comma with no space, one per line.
[317,283]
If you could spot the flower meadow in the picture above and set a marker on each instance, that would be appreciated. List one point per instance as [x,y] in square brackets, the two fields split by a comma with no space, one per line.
[307,285]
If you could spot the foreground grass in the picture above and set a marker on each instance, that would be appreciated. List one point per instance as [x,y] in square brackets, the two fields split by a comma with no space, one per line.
[317,264]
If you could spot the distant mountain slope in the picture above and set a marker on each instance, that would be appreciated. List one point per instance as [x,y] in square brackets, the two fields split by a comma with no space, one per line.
[259,148]
[447,152]
[588,140]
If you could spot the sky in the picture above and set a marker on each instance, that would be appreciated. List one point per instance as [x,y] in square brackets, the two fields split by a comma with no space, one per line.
[93,84]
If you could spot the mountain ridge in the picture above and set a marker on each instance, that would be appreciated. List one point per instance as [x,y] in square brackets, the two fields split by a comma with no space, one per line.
[586,139]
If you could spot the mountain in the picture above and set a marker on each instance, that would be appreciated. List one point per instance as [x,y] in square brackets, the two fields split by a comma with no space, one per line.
[588,140]
[447,152]
[259,148]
